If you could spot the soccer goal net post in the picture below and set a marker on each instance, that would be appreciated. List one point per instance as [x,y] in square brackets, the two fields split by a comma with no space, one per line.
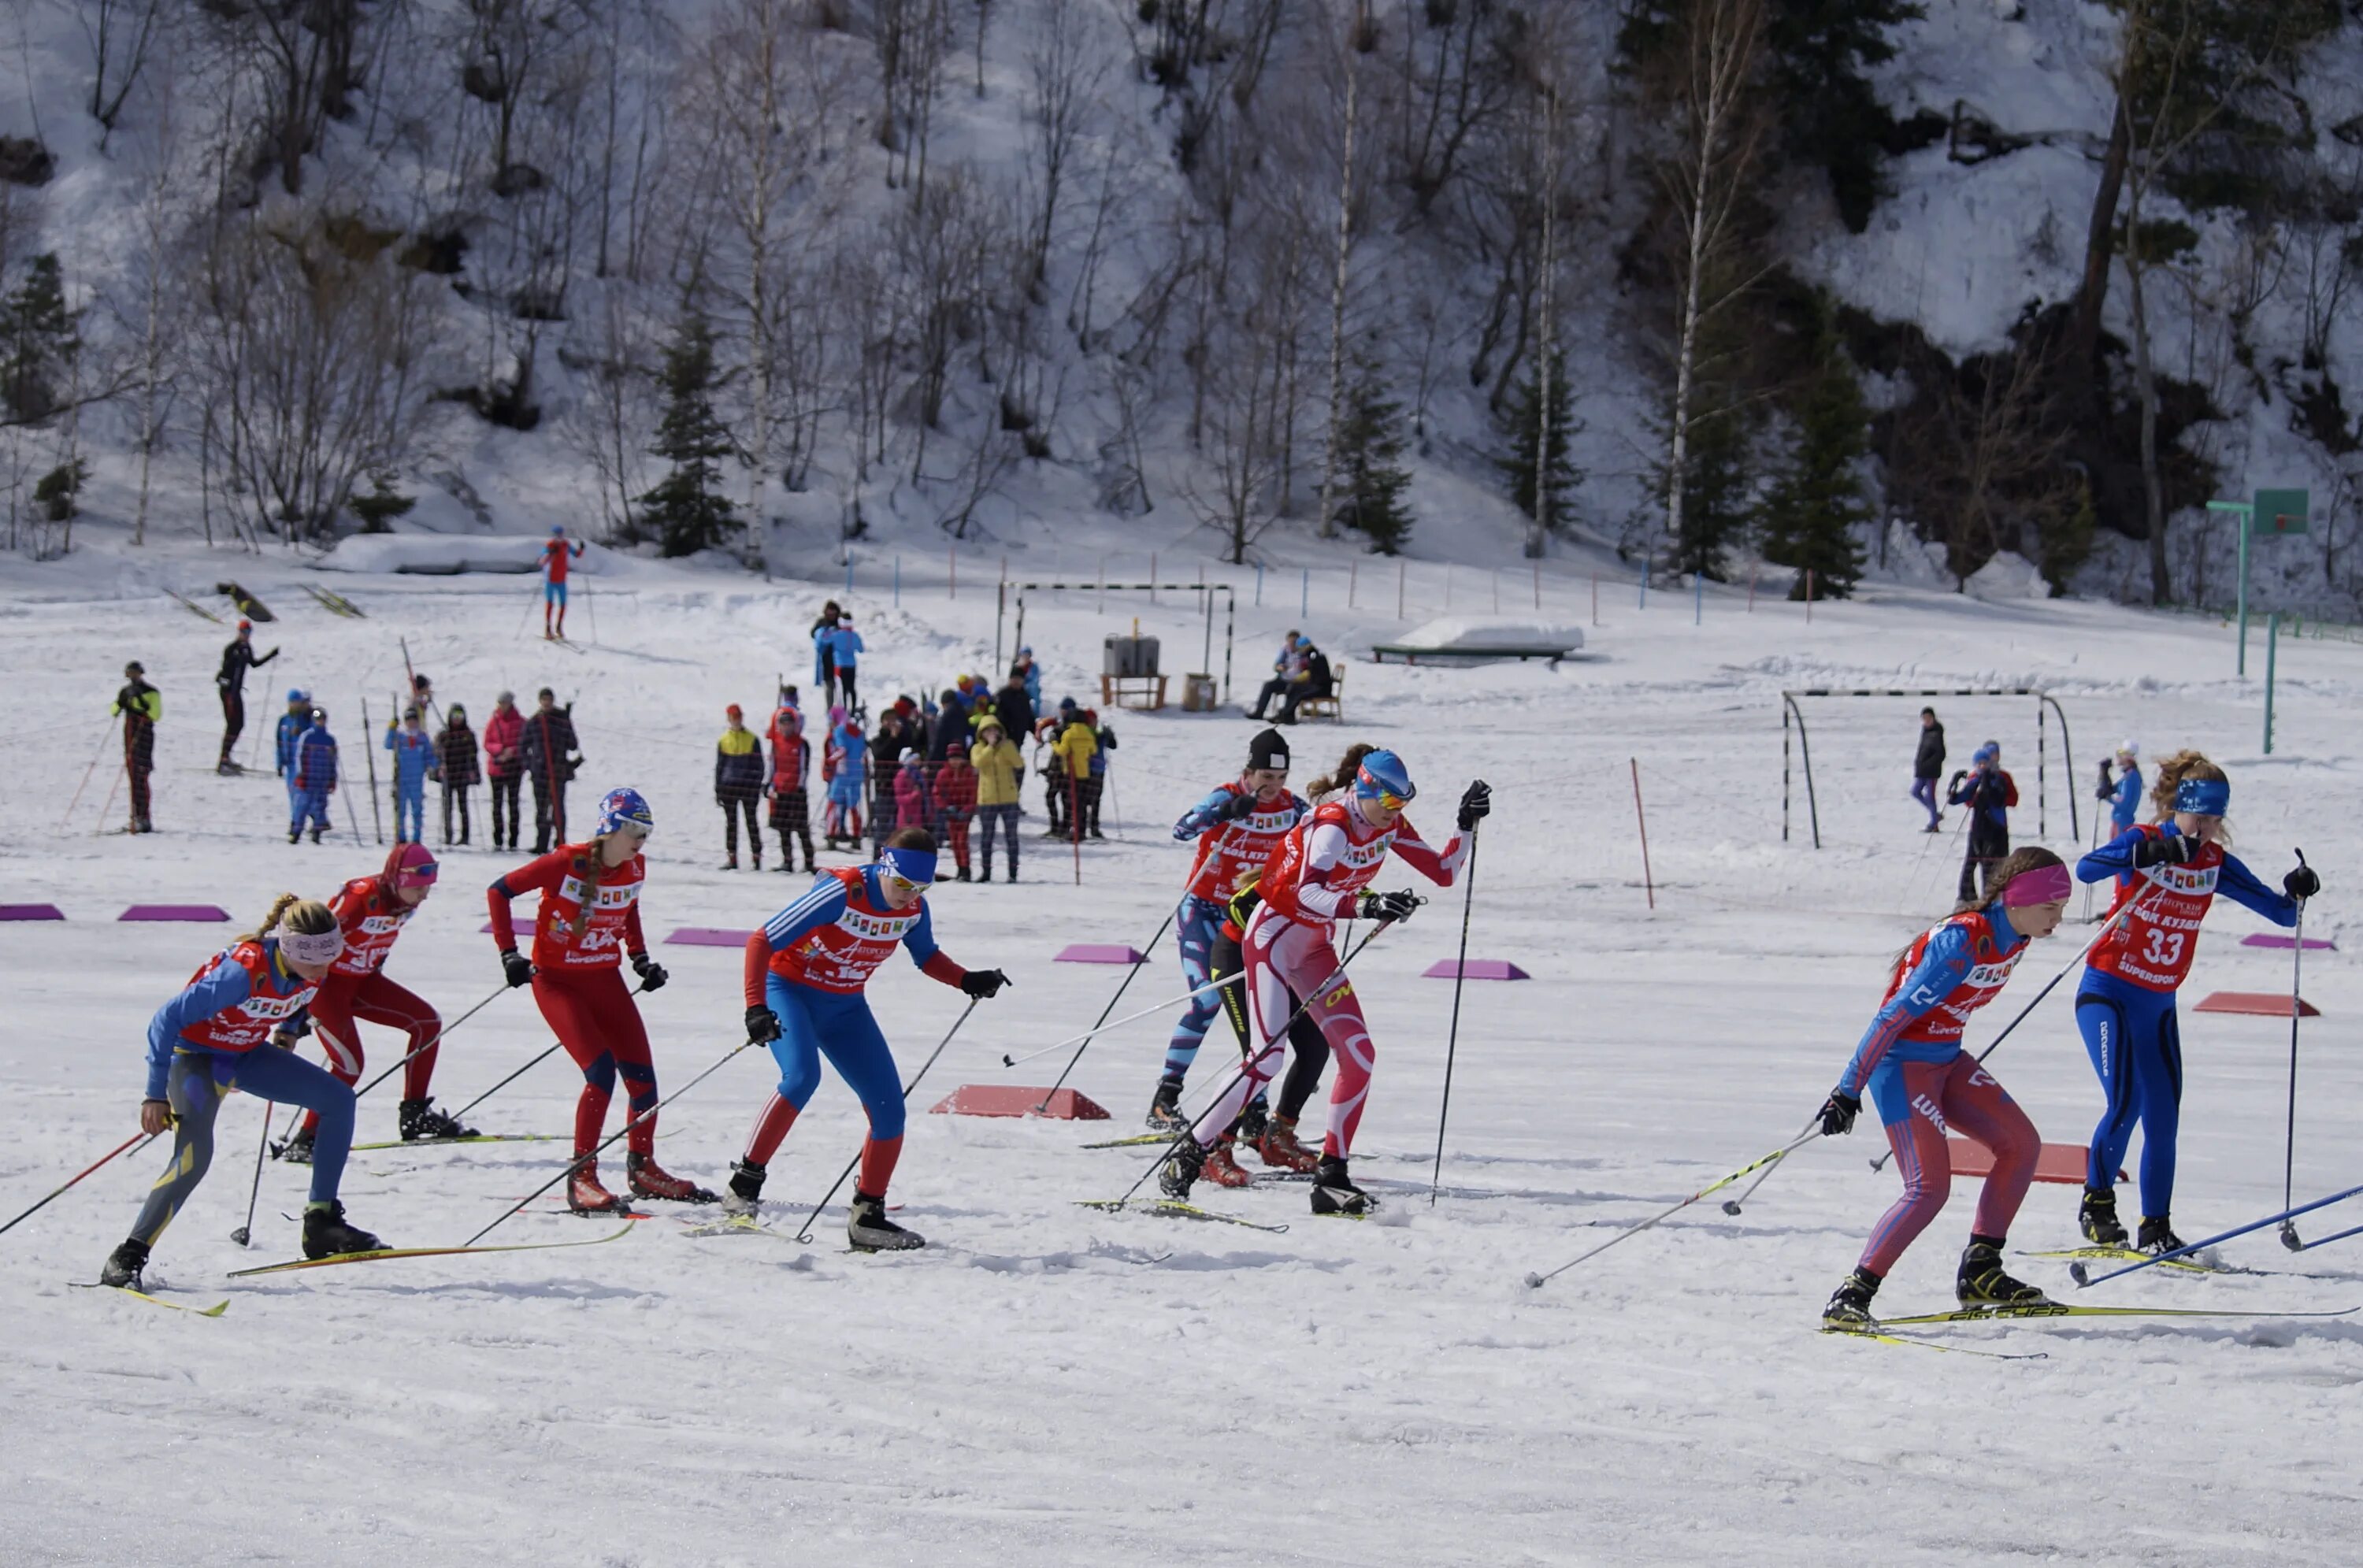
[1796,746]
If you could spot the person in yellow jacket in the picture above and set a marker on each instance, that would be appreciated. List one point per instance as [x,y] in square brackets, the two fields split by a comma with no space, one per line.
[140,705]
[1077,744]
[738,785]
[1000,769]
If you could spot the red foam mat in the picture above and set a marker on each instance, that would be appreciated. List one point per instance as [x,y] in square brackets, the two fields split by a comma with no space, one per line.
[1018,1100]
[2062,1163]
[2257,1004]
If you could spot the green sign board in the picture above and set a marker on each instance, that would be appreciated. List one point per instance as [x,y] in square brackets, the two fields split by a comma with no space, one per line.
[2279,512]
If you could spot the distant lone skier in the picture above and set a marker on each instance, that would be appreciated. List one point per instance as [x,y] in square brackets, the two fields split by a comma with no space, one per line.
[237,657]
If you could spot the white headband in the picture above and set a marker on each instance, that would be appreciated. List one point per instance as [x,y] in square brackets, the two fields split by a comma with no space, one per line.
[311,946]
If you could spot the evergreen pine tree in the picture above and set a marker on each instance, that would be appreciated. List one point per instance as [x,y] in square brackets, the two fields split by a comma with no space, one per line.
[1830,116]
[687,509]
[1520,424]
[1371,478]
[1716,502]
[1812,514]
[38,343]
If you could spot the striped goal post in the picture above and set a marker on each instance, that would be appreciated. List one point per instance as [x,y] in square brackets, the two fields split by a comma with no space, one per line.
[2045,706]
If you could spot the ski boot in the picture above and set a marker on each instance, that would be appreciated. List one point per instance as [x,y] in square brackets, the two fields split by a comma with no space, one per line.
[1984,1282]
[421,1120]
[124,1265]
[984,874]
[1165,1109]
[326,1234]
[297,1150]
[962,875]
[1279,1149]
[316,833]
[1334,1191]
[746,1194]
[2158,1235]
[2099,1219]
[584,1195]
[869,1230]
[1180,1171]
[1253,1120]
[1223,1168]
[296,835]
[1850,1304]
[731,864]
[649,1179]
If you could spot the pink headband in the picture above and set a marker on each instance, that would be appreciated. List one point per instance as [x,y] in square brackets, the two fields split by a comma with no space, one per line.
[2044,885]
[311,946]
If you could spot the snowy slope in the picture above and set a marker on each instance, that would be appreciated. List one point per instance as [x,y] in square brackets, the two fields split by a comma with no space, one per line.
[1050,1384]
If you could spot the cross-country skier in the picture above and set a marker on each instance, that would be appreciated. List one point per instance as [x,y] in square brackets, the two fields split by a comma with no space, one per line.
[1270,1132]
[588,922]
[141,706]
[207,1040]
[1237,827]
[237,657]
[314,778]
[1318,877]
[805,973]
[2124,1007]
[790,766]
[1989,793]
[555,555]
[371,911]
[1911,1064]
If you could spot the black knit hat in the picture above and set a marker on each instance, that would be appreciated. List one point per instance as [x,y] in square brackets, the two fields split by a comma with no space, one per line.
[1268,749]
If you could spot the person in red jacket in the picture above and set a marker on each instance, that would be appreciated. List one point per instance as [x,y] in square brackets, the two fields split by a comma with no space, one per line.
[790,766]
[955,803]
[371,911]
[505,767]
[589,919]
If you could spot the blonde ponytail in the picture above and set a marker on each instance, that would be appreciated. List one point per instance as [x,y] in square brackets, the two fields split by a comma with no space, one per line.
[309,916]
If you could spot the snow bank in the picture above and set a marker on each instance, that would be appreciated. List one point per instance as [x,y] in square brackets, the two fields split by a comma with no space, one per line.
[2007,576]
[1455,634]
[442,555]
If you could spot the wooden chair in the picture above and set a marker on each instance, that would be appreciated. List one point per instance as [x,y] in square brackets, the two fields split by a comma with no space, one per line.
[1327,707]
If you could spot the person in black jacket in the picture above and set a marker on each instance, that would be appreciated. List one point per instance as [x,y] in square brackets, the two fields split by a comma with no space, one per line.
[550,754]
[237,657]
[1012,706]
[1315,683]
[141,706]
[1928,765]
[1989,793]
[738,785]
[455,752]
[899,730]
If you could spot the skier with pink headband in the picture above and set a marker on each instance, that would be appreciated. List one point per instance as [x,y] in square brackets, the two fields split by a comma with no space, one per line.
[1911,1064]
[206,1040]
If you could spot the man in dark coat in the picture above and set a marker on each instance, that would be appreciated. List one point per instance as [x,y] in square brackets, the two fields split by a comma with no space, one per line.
[1928,765]
[141,705]
[237,657]
[550,756]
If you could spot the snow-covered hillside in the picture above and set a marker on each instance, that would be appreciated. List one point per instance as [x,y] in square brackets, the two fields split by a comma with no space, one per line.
[1050,1384]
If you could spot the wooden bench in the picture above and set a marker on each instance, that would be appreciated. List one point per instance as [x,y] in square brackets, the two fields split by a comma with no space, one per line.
[1327,707]
[1146,692]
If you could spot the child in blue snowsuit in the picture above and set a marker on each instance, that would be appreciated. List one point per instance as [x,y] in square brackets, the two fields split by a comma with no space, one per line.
[2123,795]
[292,725]
[845,786]
[414,764]
[313,778]
[845,647]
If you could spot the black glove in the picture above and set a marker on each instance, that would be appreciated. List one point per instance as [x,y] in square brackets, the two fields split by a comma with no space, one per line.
[1838,1112]
[762,1025]
[652,973]
[983,984]
[2302,883]
[516,965]
[1239,805]
[2168,849]
[1392,906]
[1959,773]
[1476,803]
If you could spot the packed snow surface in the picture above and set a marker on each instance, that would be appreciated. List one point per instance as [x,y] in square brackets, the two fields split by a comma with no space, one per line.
[1051,1383]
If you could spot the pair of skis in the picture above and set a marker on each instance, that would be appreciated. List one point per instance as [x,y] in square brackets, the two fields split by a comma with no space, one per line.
[1881,1329]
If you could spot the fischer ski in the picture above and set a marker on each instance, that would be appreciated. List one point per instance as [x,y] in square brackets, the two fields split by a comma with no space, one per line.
[1137,1141]
[1933,1345]
[2129,1255]
[216,1311]
[734,1225]
[2051,1310]
[335,603]
[1173,1208]
[473,1138]
[385,1253]
[194,608]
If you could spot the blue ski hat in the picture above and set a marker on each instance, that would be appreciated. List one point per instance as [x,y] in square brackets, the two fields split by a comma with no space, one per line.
[917,867]
[298,695]
[1382,772]
[621,808]
[2204,797]
[557,528]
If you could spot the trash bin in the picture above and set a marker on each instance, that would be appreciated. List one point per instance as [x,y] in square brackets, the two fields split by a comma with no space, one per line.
[1198,694]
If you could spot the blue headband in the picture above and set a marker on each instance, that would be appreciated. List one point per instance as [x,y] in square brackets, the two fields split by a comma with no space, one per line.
[916,866]
[2202,797]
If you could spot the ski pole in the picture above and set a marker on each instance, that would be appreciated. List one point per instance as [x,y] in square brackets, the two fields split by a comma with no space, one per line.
[1008,1061]
[1536,1281]
[104,736]
[254,1189]
[1734,1205]
[113,783]
[369,756]
[137,1139]
[2289,1146]
[1276,1035]
[1879,1163]
[1129,973]
[803,1232]
[440,1032]
[2084,1277]
[1452,1037]
[2325,1241]
[518,1074]
[579,1161]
